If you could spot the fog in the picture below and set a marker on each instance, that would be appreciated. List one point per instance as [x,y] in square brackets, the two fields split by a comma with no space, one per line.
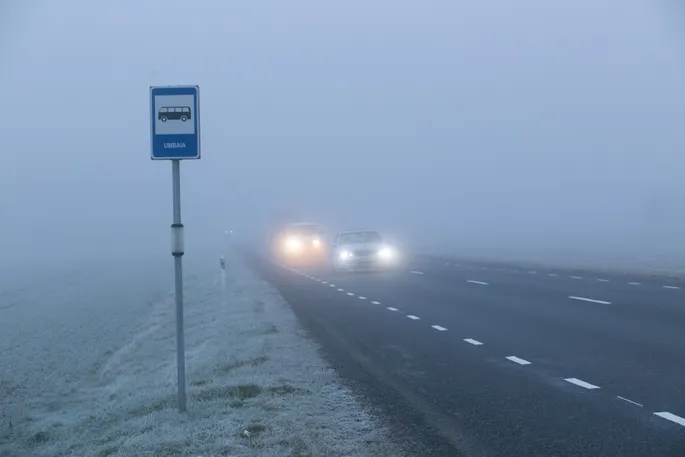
[501,128]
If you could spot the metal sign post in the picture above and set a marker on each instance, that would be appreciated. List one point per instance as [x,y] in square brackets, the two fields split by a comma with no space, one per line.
[175,136]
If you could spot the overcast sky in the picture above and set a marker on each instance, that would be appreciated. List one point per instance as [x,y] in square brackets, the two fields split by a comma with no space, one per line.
[491,124]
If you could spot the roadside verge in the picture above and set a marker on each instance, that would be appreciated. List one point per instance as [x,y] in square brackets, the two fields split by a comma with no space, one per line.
[257,386]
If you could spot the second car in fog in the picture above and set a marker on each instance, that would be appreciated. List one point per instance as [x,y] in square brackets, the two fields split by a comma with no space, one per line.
[362,249]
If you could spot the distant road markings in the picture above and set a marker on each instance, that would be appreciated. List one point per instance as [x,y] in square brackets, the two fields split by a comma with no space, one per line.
[324,282]
[635,283]
[603,280]
[412,317]
[350,294]
[670,287]
[472,341]
[629,401]
[518,360]
[390,308]
[362,298]
[533,272]
[375,303]
[553,274]
[341,290]
[438,328]
[331,285]
[671,417]
[576,277]
[416,272]
[477,282]
[581,383]
[591,300]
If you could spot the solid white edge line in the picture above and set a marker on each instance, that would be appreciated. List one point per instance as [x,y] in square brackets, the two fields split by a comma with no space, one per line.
[581,383]
[591,300]
[670,287]
[671,417]
[518,360]
[438,328]
[375,303]
[472,341]
[629,401]
[477,282]
[412,317]
[390,308]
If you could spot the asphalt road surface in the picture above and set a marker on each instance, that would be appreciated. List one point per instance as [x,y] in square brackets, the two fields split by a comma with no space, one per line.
[499,360]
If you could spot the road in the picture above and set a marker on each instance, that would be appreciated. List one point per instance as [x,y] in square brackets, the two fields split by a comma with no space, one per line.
[501,360]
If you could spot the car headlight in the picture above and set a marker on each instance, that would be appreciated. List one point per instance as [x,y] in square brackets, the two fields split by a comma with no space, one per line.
[293,244]
[386,254]
[316,242]
[344,255]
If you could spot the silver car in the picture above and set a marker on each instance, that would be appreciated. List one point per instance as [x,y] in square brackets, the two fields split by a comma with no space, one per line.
[362,249]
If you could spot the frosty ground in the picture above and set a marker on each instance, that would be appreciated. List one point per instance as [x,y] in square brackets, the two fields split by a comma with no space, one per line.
[87,361]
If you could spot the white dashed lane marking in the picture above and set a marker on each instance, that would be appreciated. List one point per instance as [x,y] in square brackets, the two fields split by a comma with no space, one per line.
[472,341]
[350,294]
[553,274]
[591,300]
[477,282]
[331,285]
[629,401]
[416,272]
[412,317]
[438,328]
[362,298]
[341,290]
[533,272]
[581,383]
[670,287]
[390,308]
[576,277]
[603,280]
[635,283]
[671,417]
[518,360]
[375,303]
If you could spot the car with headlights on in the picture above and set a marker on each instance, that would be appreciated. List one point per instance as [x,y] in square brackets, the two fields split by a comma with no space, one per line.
[362,250]
[301,241]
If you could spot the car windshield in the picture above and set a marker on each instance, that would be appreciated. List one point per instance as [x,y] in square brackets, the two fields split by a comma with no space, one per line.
[303,230]
[359,237]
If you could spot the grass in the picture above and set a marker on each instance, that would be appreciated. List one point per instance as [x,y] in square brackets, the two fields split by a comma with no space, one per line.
[256,387]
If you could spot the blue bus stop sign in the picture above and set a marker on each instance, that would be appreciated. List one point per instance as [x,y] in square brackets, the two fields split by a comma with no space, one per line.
[175,122]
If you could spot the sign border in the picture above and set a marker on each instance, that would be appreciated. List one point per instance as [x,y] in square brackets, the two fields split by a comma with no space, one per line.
[175,90]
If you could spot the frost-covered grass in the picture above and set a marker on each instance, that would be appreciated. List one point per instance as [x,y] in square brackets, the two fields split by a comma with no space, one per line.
[257,385]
